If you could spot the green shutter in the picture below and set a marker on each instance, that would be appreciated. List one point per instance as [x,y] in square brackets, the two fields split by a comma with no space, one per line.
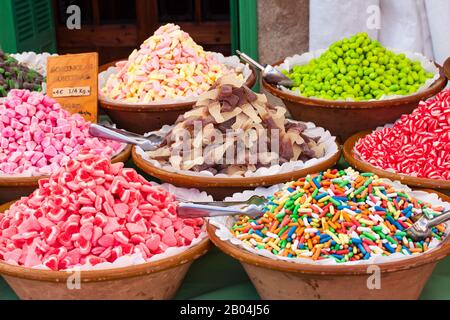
[27,26]
[244,28]
[248,27]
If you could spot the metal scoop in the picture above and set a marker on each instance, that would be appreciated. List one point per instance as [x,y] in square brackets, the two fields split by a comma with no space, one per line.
[269,73]
[252,207]
[149,143]
[421,229]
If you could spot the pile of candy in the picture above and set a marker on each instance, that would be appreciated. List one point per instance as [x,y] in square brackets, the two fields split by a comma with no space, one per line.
[33,60]
[358,68]
[232,130]
[417,145]
[14,75]
[37,136]
[168,65]
[91,212]
[341,215]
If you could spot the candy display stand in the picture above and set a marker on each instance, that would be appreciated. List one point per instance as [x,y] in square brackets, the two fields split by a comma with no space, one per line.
[220,188]
[442,186]
[15,187]
[154,280]
[277,279]
[344,118]
[142,118]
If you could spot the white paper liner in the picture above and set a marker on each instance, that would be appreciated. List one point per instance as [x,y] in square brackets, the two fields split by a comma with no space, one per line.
[231,62]
[304,58]
[182,194]
[389,125]
[224,224]
[33,60]
[326,138]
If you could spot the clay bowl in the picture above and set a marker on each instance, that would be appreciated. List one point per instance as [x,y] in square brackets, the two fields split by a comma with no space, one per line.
[157,280]
[16,187]
[144,118]
[354,160]
[221,188]
[446,68]
[344,118]
[282,280]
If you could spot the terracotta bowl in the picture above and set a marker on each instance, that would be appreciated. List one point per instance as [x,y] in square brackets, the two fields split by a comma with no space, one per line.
[144,118]
[157,280]
[16,187]
[446,68]
[344,118]
[221,188]
[282,280]
[442,186]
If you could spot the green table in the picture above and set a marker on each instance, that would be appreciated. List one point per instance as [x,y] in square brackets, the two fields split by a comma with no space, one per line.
[216,276]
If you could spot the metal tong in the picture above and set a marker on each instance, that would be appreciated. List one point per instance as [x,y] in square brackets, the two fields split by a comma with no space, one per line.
[269,73]
[252,207]
[421,229]
[148,143]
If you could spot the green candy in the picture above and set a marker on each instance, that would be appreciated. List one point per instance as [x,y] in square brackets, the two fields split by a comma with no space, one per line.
[282,230]
[14,75]
[358,68]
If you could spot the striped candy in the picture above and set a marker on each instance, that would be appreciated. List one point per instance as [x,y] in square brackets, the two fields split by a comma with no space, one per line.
[418,144]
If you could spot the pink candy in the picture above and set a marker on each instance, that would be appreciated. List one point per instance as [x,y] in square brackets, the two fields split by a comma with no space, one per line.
[74,218]
[417,145]
[168,65]
[37,136]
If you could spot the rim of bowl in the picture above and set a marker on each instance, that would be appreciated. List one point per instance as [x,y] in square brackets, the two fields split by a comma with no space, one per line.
[110,274]
[170,106]
[446,67]
[32,181]
[184,257]
[245,256]
[359,164]
[435,88]
[172,177]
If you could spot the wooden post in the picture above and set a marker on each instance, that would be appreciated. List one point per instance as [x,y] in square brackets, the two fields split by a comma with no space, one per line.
[198,10]
[147,18]
[95,12]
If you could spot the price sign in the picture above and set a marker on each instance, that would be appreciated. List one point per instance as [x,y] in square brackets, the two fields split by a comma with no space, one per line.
[72,81]
[71,92]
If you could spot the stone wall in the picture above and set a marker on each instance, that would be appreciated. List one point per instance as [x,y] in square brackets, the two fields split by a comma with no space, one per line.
[283,28]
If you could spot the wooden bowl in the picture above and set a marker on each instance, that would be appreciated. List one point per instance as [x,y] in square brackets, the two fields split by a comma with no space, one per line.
[446,68]
[157,280]
[442,186]
[276,279]
[144,118]
[344,118]
[15,187]
[221,188]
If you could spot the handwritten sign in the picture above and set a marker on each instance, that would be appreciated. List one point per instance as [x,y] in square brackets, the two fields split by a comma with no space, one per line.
[71,92]
[72,81]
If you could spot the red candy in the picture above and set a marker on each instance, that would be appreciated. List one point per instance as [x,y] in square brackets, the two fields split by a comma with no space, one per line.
[417,145]
[74,218]
[37,137]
